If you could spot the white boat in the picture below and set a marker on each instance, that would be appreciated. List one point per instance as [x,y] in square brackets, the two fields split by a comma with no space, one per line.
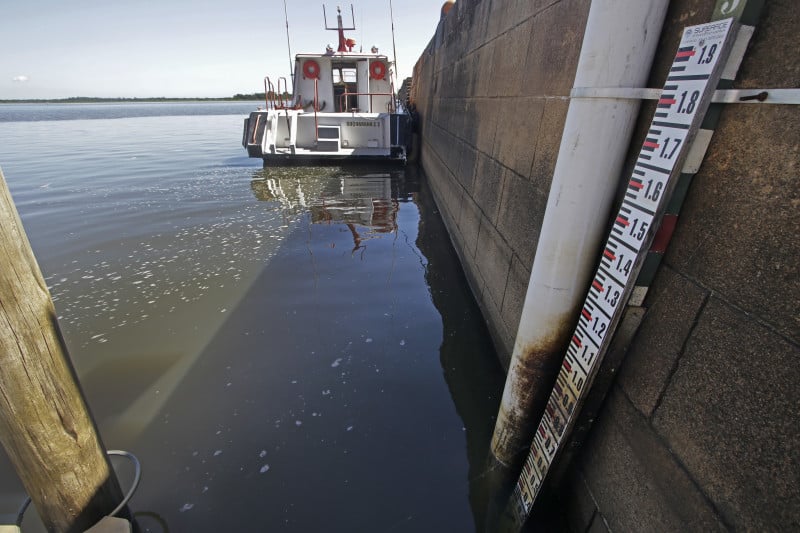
[344,108]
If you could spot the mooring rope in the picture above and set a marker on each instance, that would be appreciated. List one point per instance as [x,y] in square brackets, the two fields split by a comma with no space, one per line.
[137,476]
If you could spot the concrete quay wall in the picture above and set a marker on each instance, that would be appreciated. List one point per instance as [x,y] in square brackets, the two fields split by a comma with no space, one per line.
[492,92]
[699,431]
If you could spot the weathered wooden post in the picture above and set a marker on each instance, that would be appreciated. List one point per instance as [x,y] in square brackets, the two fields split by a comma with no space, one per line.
[45,426]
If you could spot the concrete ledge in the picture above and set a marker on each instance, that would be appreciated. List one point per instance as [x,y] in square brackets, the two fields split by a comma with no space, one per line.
[674,306]
[470,224]
[521,214]
[580,506]
[493,258]
[485,125]
[730,415]
[636,481]
[502,336]
[518,127]
[466,167]
[739,229]
[487,186]
[554,47]
[514,298]
[548,143]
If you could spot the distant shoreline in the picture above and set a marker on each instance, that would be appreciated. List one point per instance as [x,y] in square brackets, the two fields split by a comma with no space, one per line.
[157,99]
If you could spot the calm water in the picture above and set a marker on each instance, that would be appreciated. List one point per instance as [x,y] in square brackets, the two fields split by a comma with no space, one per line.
[283,349]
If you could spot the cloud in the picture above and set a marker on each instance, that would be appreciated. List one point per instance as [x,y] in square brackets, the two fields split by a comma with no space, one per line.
[20,79]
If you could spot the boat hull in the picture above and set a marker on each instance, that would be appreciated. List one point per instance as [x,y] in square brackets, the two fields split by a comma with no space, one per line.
[284,136]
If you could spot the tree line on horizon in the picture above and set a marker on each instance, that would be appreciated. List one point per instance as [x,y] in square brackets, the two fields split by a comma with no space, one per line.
[93,99]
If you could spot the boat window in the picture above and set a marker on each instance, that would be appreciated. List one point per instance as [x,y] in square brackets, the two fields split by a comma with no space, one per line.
[345,86]
[344,75]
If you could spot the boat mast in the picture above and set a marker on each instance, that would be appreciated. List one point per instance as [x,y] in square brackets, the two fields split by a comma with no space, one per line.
[342,40]
[340,28]
[394,47]
[288,43]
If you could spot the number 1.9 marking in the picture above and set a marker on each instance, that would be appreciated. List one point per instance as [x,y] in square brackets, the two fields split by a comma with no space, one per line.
[706,59]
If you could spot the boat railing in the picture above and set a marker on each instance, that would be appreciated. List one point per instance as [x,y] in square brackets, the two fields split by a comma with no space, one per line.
[280,98]
[344,102]
[268,89]
[277,100]
[316,108]
[254,137]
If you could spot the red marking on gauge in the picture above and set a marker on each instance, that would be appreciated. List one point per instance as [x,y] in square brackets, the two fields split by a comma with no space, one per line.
[664,233]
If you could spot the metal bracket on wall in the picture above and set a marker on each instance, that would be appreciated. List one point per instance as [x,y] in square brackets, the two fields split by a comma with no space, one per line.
[728,96]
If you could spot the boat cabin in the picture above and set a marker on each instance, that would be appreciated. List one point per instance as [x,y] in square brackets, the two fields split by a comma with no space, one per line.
[343,106]
[344,83]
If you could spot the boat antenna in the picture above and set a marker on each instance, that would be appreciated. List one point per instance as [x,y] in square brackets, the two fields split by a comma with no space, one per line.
[288,43]
[343,46]
[394,47]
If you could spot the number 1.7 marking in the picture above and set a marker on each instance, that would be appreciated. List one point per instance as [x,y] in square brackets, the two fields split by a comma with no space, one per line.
[666,153]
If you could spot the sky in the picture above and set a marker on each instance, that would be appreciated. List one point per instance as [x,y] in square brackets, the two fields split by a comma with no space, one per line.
[185,48]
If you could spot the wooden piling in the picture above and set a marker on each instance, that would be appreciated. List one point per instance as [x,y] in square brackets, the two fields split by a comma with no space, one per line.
[45,426]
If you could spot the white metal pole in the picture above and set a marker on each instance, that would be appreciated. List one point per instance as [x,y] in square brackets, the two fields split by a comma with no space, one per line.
[618,48]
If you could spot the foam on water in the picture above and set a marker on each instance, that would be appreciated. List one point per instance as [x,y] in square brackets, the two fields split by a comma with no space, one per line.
[215,312]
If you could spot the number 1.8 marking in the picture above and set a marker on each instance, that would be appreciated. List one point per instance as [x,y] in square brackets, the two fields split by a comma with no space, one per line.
[690,105]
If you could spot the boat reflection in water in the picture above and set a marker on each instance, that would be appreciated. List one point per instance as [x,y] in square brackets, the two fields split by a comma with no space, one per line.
[370,206]
[351,387]
[366,203]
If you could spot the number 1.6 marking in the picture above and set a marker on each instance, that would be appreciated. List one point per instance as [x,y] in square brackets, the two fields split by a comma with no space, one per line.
[653,190]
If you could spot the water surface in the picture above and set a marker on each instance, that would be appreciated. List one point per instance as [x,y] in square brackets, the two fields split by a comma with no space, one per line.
[284,349]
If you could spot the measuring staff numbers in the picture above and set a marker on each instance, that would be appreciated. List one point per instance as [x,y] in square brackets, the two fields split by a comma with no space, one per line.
[691,81]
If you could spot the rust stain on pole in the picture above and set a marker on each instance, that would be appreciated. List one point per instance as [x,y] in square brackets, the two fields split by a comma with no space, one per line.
[530,379]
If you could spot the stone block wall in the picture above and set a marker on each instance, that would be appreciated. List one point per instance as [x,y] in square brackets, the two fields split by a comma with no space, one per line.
[492,94]
[700,429]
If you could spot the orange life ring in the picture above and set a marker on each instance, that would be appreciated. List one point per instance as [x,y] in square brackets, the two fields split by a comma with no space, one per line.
[377,70]
[311,69]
